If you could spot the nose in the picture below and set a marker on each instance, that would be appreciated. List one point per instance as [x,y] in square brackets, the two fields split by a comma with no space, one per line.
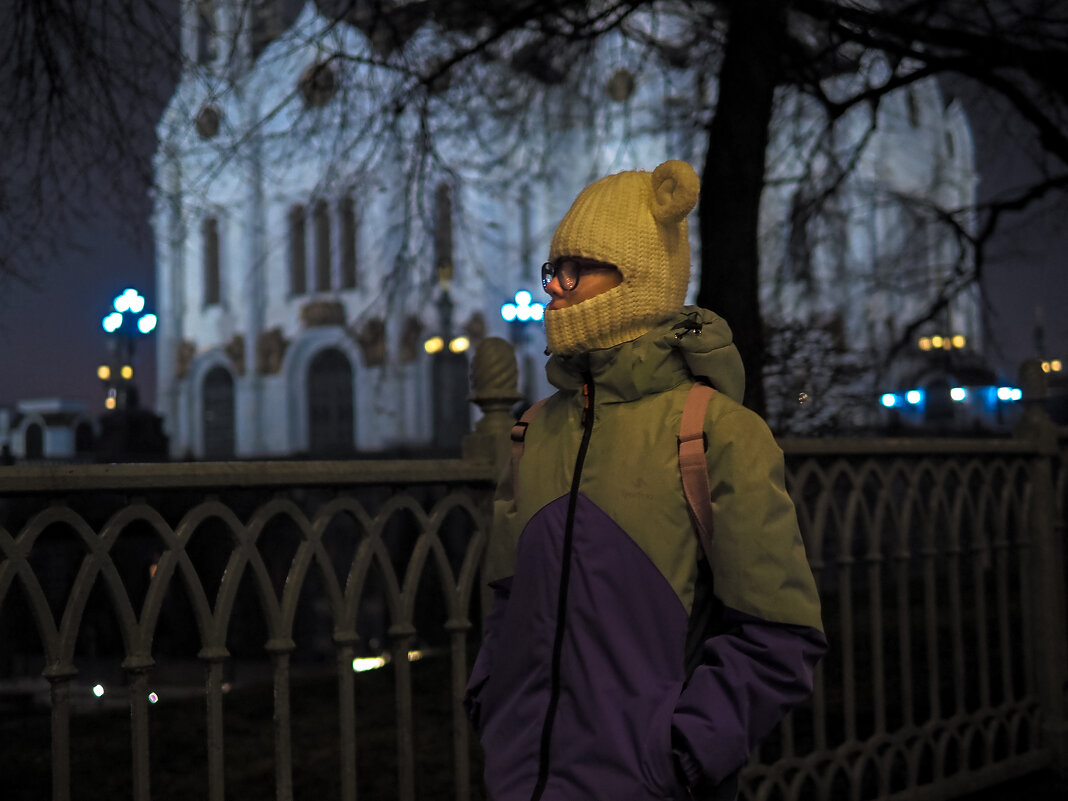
[553,288]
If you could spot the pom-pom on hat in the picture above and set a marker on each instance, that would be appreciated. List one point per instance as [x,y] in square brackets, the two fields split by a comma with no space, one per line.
[635,220]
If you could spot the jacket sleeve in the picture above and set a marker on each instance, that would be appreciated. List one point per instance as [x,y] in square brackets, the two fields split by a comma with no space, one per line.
[480,673]
[761,662]
[497,568]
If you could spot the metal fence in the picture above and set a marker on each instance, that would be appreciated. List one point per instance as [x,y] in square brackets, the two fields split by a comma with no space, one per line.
[352,535]
[943,601]
[940,565]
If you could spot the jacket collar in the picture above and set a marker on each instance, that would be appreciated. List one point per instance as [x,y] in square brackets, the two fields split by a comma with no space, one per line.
[691,343]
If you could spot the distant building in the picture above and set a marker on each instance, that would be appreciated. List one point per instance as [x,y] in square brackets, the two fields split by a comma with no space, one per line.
[299,274]
[47,429]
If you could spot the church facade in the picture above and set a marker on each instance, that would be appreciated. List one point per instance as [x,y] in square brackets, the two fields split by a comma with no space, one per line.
[320,272]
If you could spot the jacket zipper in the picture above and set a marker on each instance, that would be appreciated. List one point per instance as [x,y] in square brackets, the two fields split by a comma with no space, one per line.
[565,573]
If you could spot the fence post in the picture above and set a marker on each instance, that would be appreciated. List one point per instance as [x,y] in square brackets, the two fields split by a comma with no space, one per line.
[1048,565]
[495,390]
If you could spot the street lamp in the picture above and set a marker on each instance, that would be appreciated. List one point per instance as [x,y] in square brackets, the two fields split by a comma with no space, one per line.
[438,342]
[520,312]
[448,375]
[127,320]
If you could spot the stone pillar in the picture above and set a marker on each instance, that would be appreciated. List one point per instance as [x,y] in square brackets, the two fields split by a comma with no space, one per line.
[1048,579]
[495,390]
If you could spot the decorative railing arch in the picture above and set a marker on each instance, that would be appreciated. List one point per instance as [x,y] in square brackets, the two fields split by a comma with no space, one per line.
[938,564]
[426,497]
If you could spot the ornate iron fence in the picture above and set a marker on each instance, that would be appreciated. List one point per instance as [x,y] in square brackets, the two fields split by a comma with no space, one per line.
[932,561]
[350,535]
[940,566]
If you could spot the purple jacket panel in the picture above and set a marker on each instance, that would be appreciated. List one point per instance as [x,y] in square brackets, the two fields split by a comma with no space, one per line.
[481,670]
[621,667]
[752,675]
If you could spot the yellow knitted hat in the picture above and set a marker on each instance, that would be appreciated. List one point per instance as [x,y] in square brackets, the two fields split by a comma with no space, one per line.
[637,221]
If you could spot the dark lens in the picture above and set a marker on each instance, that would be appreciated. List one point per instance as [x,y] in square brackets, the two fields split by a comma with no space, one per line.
[548,270]
[568,271]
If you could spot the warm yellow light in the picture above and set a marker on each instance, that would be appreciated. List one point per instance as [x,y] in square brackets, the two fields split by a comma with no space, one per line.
[925,343]
[1056,365]
[937,342]
[127,372]
[959,341]
[434,345]
[1046,367]
[103,372]
[109,403]
[459,344]
[362,665]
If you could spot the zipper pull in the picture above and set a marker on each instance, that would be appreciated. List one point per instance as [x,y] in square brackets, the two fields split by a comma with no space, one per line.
[586,402]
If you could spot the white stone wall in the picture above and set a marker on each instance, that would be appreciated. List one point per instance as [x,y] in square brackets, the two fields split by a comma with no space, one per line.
[250,181]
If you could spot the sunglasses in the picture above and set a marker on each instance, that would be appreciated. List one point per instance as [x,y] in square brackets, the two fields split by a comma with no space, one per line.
[568,271]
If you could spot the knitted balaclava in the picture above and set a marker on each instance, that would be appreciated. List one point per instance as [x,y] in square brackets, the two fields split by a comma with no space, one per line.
[637,221]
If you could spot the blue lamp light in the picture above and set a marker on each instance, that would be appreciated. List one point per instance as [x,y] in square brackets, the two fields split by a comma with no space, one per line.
[133,303]
[1009,394]
[113,322]
[125,322]
[523,310]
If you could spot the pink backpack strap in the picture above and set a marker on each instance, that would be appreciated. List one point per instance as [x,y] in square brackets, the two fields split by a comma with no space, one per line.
[519,435]
[692,462]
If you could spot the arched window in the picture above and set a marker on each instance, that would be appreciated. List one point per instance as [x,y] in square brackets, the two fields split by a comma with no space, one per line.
[318,84]
[270,18]
[799,244]
[330,408]
[34,441]
[218,414]
[322,246]
[526,234]
[913,105]
[348,243]
[298,265]
[443,232]
[266,24]
[205,31]
[211,262]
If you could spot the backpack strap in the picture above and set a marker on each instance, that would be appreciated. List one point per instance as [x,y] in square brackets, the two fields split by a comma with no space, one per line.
[519,435]
[692,462]
[691,457]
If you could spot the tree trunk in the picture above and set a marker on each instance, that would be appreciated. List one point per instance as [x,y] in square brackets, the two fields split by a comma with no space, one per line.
[734,178]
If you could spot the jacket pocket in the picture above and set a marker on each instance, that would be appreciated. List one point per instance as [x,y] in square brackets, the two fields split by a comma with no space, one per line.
[657,758]
[483,667]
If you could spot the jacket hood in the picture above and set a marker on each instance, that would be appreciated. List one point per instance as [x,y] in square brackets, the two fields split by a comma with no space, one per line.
[690,343]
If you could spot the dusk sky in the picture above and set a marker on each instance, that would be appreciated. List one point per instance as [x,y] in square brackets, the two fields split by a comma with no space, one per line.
[51,340]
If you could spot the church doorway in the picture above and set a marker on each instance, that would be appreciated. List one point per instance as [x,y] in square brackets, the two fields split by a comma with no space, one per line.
[330,407]
[218,414]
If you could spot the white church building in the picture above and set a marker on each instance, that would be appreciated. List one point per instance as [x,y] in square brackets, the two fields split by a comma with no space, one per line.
[310,254]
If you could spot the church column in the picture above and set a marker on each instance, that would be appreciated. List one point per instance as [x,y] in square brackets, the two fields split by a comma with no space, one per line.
[256,269]
[170,299]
